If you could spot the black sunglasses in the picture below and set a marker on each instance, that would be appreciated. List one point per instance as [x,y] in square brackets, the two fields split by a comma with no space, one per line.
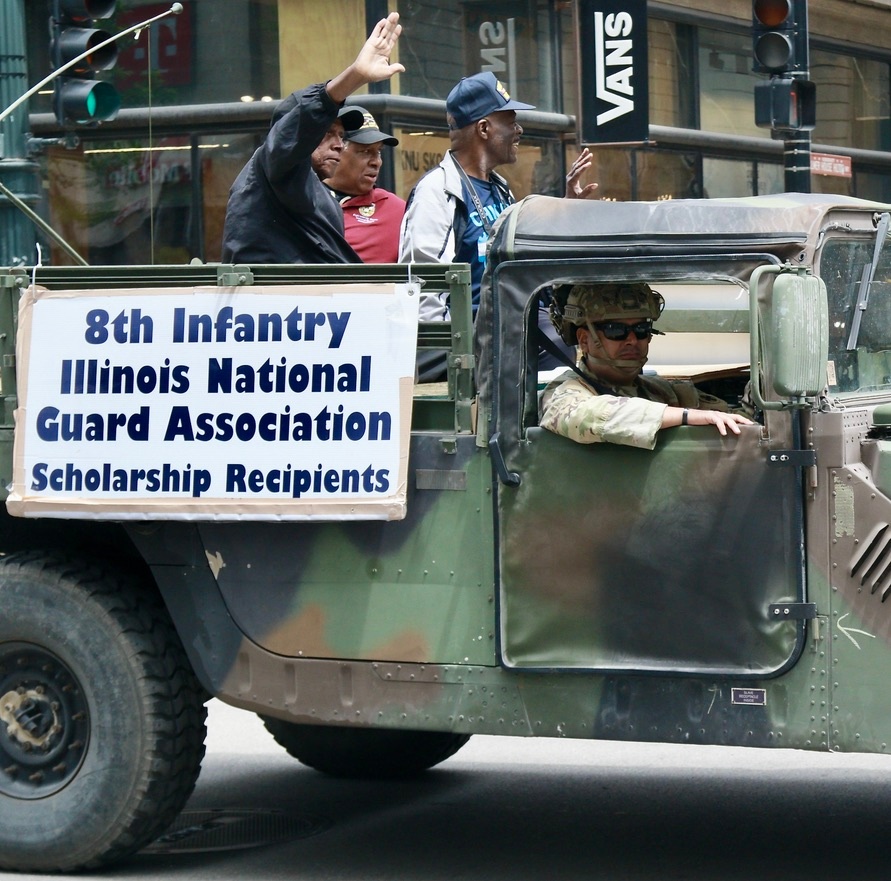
[616,330]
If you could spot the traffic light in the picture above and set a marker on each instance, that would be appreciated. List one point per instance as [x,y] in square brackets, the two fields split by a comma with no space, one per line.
[786,104]
[77,96]
[780,36]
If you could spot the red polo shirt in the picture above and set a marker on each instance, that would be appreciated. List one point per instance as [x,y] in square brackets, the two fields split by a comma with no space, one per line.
[371,225]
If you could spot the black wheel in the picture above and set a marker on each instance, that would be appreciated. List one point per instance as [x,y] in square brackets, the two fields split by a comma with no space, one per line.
[101,718]
[364,752]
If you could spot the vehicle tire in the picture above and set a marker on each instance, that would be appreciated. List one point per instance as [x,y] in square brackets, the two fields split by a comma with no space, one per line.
[376,753]
[102,720]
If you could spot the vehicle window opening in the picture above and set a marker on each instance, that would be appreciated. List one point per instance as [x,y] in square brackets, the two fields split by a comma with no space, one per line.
[705,340]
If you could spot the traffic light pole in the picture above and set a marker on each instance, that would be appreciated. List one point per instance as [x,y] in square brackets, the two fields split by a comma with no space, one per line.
[786,103]
[797,161]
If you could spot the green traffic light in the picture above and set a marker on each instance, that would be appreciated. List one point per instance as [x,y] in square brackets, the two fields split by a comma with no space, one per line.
[81,50]
[86,101]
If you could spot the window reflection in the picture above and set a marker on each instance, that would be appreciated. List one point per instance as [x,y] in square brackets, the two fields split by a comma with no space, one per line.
[727,84]
[125,202]
[853,106]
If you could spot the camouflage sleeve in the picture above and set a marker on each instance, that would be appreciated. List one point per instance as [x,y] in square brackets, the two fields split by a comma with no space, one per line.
[572,410]
[688,395]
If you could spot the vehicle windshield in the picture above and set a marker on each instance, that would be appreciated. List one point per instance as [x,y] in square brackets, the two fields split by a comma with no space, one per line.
[865,369]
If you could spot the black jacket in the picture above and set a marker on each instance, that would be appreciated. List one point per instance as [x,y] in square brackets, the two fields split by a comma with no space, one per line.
[279,211]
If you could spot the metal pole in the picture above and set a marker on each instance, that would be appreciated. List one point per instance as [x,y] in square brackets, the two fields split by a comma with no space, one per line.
[797,162]
[18,175]
[38,221]
[797,145]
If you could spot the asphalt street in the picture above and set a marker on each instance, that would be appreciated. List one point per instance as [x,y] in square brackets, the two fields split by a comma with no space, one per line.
[510,808]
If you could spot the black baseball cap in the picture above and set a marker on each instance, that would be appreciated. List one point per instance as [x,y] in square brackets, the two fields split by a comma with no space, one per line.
[351,117]
[368,132]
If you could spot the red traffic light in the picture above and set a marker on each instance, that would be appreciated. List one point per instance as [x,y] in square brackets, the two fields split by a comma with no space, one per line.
[771,13]
[780,36]
[75,41]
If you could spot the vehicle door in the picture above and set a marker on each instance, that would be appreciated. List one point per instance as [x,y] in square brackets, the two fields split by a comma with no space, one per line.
[683,559]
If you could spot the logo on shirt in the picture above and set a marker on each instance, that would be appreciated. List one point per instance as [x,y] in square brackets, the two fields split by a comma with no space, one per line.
[366,215]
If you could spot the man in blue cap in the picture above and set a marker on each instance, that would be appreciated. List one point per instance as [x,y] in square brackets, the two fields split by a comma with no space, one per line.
[279,210]
[452,208]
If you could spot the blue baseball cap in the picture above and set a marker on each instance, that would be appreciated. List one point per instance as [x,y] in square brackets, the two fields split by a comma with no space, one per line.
[477,96]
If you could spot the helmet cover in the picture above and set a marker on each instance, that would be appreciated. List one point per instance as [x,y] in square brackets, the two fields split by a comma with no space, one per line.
[590,303]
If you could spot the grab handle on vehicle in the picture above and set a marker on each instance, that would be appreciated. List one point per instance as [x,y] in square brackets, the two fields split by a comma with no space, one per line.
[508,478]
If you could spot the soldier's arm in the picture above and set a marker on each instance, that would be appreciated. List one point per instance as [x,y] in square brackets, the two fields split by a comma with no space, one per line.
[573,411]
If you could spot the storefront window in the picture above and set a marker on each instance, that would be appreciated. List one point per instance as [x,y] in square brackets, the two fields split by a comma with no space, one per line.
[445,40]
[727,178]
[221,159]
[872,186]
[147,204]
[853,103]
[626,174]
[667,175]
[771,178]
[139,200]
[671,75]
[726,85]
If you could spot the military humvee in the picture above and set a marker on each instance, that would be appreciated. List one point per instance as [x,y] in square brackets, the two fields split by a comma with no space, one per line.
[197,504]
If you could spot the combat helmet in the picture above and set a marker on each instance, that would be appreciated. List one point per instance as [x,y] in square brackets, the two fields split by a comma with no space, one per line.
[578,305]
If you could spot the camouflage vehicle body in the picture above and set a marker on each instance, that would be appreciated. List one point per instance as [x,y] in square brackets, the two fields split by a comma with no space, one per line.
[714,591]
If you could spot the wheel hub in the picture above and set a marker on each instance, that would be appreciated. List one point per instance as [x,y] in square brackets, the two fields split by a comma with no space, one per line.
[44,722]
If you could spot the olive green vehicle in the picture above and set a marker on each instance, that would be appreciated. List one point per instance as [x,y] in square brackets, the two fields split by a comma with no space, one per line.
[712,591]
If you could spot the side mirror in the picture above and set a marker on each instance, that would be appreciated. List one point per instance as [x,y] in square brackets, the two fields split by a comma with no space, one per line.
[798,346]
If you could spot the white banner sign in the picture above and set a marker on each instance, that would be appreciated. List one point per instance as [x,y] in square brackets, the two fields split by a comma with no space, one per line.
[266,402]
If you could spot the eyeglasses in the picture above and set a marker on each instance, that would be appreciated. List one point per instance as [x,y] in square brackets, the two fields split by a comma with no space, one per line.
[616,330]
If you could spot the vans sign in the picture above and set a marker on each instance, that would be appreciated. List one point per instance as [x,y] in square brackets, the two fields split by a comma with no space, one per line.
[614,87]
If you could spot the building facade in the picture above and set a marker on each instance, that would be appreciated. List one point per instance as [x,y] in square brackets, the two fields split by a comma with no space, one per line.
[198,90]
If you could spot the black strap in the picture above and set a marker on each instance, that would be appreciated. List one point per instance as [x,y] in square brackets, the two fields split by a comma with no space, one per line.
[553,349]
[474,196]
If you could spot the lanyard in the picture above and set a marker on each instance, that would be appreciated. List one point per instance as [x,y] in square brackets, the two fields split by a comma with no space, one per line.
[474,196]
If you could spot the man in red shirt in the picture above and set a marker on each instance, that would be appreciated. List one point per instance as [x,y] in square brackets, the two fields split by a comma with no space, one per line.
[371,214]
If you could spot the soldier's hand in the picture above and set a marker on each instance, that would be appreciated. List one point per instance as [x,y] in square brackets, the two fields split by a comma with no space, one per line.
[674,416]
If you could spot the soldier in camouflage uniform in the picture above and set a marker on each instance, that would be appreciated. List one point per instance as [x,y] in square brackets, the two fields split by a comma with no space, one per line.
[608,399]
